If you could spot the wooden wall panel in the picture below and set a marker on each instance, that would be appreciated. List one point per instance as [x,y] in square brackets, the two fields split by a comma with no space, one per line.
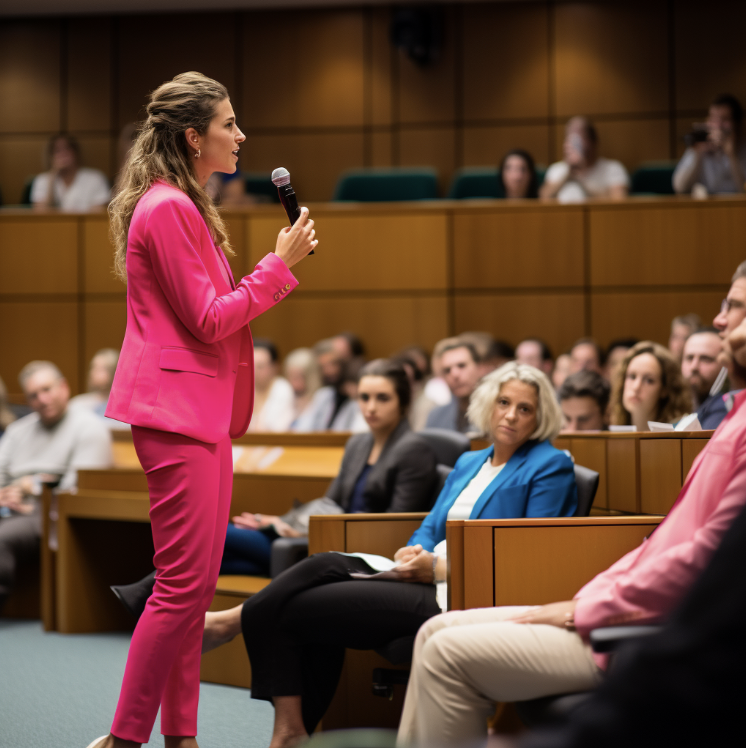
[384,325]
[96,152]
[381,148]
[434,147]
[39,255]
[485,145]
[521,249]
[595,69]
[648,315]
[495,37]
[366,252]
[89,84]
[380,67]
[99,257]
[192,41]
[663,245]
[21,158]
[104,326]
[660,474]
[557,318]
[236,223]
[30,82]
[321,59]
[31,330]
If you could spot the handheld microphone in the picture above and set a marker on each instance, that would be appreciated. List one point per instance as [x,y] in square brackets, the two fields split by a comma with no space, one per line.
[281,180]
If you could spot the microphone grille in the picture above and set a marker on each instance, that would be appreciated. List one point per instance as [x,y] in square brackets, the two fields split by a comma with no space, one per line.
[280,176]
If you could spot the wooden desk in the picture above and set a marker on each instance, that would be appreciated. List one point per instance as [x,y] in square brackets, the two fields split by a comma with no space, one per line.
[642,472]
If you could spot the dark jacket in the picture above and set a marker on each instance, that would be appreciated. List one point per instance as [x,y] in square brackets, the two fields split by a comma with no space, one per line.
[403,479]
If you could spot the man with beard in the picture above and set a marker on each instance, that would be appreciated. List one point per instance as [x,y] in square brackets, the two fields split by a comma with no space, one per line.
[700,366]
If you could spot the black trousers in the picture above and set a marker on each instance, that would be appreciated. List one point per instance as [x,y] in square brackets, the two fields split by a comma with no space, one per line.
[19,544]
[296,629]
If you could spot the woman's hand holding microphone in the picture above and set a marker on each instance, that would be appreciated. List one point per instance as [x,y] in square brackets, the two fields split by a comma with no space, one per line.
[295,242]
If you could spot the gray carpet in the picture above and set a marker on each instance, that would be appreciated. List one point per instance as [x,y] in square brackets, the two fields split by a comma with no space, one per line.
[60,691]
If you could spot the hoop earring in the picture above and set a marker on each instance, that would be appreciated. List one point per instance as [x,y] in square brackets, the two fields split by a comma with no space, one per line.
[198,153]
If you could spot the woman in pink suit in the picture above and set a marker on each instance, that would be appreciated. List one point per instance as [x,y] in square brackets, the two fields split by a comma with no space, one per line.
[184,382]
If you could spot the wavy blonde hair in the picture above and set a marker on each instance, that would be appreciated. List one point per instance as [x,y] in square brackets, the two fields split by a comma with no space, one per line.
[160,152]
[675,400]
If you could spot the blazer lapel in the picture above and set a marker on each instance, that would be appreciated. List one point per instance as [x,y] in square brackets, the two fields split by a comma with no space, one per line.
[513,464]
[358,460]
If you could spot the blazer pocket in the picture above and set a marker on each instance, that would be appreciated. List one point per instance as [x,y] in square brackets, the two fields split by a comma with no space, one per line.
[185,359]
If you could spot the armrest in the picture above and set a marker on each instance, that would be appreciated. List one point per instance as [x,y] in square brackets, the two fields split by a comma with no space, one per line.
[610,638]
[285,553]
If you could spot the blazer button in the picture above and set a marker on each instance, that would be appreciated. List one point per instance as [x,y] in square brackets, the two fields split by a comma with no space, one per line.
[287,286]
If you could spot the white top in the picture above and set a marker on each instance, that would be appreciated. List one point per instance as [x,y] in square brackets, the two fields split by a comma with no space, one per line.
[462,509]
[89,189]
[595,182]
[279,408]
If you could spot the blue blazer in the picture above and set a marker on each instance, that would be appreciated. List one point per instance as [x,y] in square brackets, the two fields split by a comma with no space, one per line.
[537,481]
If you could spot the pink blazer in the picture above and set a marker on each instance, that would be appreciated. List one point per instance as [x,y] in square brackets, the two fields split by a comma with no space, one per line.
[187,361]
[645,585]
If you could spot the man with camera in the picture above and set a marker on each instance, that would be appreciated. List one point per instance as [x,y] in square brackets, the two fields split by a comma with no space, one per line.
[715,157]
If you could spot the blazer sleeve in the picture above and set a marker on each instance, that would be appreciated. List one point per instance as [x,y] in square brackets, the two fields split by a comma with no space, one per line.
[173,228]
[553,492]
[415,477]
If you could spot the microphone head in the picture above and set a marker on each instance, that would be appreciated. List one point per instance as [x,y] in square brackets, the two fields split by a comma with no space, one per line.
[280,177]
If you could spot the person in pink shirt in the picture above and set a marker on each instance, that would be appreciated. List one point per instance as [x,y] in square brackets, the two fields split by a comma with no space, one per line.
[466,661]
[184,381]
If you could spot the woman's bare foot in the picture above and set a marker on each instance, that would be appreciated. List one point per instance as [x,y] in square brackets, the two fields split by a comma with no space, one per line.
[111,742]
[220,627]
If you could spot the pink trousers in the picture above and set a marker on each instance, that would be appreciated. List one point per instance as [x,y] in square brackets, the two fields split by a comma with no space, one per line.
[190,484]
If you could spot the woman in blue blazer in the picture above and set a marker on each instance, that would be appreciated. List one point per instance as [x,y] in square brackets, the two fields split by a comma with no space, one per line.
[297,628]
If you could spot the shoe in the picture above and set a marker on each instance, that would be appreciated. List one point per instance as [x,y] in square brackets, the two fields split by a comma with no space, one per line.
[135,596]
[97,741]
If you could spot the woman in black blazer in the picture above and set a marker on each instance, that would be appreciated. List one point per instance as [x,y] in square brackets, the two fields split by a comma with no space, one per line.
[389,469]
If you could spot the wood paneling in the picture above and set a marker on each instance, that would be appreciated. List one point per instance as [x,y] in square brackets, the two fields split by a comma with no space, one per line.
[30,81]
[479,559]
[622,482]
[496,37]
[595,71]
[21,158]
[380,537]
[40,255]
[591,453]
[99,257]
[660,474]
[485,145]
[525,249]
[318,54]
[433,147]
[381,61]
[96,152]
[689,451]
[237,228]
[104,322]
[381,149]
[663,245]
[557,318]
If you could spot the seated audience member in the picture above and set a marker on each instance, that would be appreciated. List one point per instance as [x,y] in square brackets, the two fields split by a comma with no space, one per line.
[436,388]
[583,173]
[584,401]
[700,365]
[302,372]
[297,628]
[6,414]
[586,355]
[274,400]
[349,346]
[681,328]
[498,354]
[716,159]
[50,444]
[517,175]
[614,354]
[100,377]
[483,343]
[417,365]
[331,408]
[461,368]
[67,185]
[465,661]
[561,370]
[648,387]
[535,352]
[229,190]
[390,469]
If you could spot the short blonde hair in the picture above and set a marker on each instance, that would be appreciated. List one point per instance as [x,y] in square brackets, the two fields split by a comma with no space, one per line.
[548,413]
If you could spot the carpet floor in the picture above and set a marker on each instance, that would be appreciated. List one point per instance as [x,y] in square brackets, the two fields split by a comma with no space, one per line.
[60,691]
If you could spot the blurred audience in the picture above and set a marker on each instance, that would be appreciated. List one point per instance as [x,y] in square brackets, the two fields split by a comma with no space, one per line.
[67,184]
[436,388]
[415,361]
[562,368]
[482,343]
[100,377]
[274,399]
[331,408]
[349,346]
[461,368]
[649,387]
[614,354]
[498,354]
[49,445]
[229,190]
[715,158]
[681,328]
[586,355]
[517,175]
[302,372]
[582,173]
[6,414]
[535,352]
[700,365]
[584,402]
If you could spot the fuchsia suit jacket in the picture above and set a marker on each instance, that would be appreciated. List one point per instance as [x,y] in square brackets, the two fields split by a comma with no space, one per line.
[645,585]
[187,361]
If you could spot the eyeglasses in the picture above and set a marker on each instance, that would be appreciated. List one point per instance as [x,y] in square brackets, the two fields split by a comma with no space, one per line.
[727,304]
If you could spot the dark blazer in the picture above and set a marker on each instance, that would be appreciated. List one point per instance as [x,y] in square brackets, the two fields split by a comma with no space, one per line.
[537,481]
[403,479]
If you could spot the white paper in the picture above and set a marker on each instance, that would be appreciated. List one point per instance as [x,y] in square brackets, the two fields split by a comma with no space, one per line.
[379,563]
[689,423]
[624,429]
[657,426]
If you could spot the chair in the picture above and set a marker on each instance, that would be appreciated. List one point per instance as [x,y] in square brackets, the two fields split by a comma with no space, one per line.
[447,445]
[387,185]
[476,182]
[26,194]
[653,178]
[261,184]
[587,483]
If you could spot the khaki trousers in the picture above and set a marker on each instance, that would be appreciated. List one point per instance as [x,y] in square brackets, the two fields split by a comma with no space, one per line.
[465,661]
